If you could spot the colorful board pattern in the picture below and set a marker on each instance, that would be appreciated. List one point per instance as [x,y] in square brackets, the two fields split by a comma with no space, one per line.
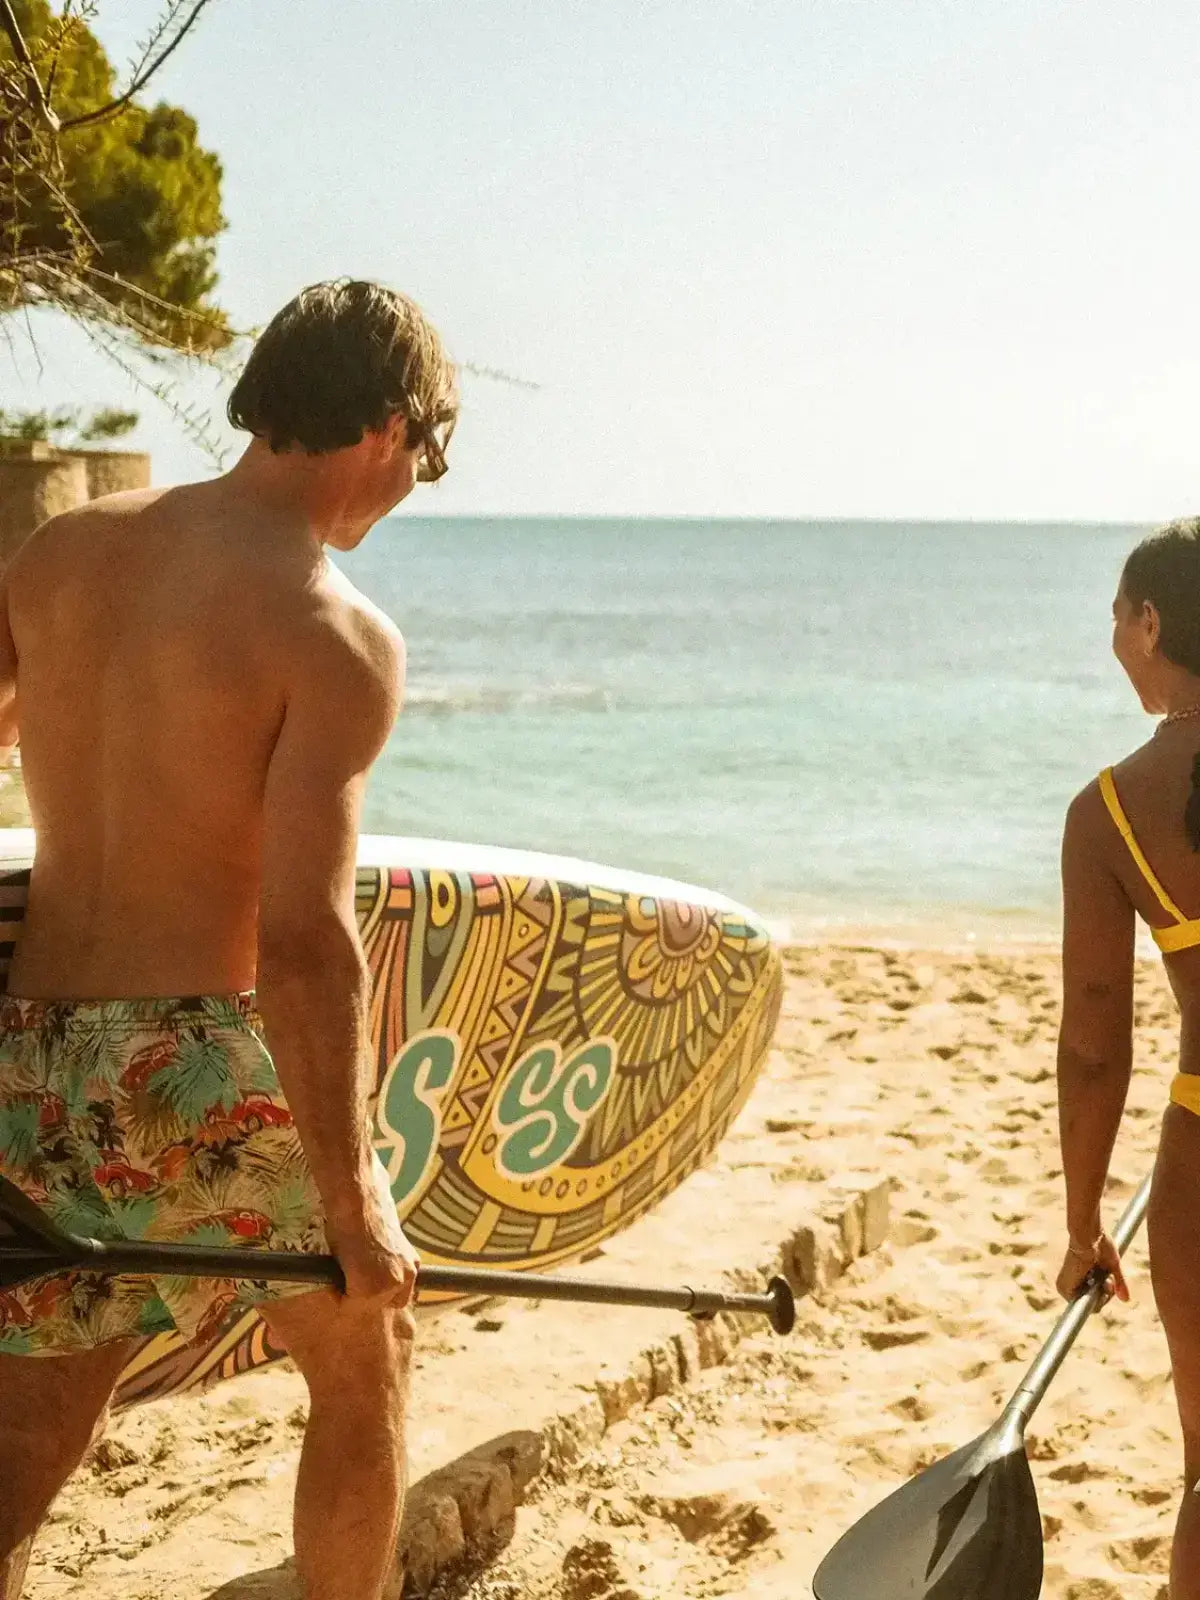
[554,1055]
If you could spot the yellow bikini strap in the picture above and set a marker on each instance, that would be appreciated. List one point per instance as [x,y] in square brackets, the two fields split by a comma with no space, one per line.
[1116,811]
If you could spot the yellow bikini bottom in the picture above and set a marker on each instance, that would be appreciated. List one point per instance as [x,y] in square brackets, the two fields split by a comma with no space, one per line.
[1185,1091]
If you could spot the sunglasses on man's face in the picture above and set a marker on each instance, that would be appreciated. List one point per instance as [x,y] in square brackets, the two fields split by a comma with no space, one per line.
[432,464]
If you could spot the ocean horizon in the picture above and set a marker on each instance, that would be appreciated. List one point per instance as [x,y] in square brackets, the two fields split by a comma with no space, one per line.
[852,726]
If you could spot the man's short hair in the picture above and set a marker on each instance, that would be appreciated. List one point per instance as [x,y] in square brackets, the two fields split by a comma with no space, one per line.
[340,359]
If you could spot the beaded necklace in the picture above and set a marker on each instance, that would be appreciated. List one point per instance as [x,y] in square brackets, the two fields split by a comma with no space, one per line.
[1182,715]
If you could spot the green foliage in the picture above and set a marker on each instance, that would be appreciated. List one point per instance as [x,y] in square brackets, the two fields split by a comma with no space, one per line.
[68,425]
[109,422]
[35,424]
[131,203]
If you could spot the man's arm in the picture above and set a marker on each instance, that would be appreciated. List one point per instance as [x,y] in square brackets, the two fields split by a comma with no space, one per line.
[312,979]
[1095,1042]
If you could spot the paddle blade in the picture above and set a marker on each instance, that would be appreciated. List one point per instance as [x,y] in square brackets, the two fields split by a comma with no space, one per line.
[967,1528]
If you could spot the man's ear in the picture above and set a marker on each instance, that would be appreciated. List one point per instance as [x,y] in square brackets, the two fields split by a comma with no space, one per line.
[395,435]
[1151,626]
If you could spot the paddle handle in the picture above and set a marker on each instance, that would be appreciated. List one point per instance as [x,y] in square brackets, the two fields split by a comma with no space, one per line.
[137,1255]
[1089,1298]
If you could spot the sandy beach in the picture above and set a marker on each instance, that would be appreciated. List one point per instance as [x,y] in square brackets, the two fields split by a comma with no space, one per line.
[934,1069]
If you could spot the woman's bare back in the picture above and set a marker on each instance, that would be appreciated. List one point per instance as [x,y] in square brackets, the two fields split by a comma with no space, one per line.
[1153,785]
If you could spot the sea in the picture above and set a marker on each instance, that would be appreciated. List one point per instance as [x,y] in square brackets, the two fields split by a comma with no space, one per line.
[852,727]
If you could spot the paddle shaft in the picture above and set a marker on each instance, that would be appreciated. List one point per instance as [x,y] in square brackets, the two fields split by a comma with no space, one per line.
[1091,1296]
[102,1255]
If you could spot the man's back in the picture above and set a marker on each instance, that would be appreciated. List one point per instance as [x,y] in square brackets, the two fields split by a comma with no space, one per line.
[157,635]
[199,696]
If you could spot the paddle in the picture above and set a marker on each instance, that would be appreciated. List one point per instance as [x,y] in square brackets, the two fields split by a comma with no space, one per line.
[968,1528]
[39,1246]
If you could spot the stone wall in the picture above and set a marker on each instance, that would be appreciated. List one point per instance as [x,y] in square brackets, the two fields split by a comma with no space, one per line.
[37,482]
[110,471]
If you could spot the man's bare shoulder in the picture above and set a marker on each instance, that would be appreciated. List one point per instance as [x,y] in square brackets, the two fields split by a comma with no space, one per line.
[349,608]
[73,544]
[86,519]
[344,643]
[122,503]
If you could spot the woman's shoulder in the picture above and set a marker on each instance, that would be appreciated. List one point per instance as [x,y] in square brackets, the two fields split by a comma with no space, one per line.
[1086,811]
[1149,760]
[1091,805]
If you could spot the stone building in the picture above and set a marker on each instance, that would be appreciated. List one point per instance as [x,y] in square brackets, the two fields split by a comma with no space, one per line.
[38,481]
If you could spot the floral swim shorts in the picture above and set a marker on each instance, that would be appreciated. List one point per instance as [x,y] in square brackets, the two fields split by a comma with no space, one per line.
[147,1119]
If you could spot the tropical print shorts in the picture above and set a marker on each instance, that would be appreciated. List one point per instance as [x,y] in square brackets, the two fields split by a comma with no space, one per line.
[147,1119]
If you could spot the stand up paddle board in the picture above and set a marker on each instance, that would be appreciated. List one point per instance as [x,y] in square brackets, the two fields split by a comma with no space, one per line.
[558,1045]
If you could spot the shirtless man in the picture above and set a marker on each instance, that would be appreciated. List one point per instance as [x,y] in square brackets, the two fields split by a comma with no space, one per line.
[200,695]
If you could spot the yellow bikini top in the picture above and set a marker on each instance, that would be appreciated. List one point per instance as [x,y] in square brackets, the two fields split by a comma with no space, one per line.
[1186,932]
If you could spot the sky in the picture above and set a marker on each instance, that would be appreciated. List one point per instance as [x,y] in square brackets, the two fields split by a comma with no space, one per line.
[790,258]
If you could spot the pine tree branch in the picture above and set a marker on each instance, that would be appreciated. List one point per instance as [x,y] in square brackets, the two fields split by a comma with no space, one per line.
[63,34]
[497,375]
[158,33]
[74,224]
[202,322]
[194,421]
[140,79]
[55,278]
[37,94]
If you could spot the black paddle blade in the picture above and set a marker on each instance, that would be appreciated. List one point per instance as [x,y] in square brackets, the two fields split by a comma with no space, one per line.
[967,1528]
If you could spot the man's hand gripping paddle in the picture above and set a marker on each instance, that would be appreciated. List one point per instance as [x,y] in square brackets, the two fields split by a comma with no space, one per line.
[36,1246]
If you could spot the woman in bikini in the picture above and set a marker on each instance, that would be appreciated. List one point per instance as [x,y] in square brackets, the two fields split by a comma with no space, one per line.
[1131,847]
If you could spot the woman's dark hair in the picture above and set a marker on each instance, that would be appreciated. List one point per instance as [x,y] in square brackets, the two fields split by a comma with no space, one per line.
[1165,570]
[339,360]
[1191,812]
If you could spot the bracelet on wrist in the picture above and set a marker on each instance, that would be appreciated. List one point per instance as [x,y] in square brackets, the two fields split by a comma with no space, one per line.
[1084,1252]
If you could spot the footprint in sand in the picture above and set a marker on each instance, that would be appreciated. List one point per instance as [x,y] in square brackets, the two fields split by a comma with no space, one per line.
[1077,1472]
[959,1254]
[912,1408]
[1141,1553]
[1058,1582]
[1151,1497]
[890,1338]
[591,1569]
[907,1232]
[1038,1297]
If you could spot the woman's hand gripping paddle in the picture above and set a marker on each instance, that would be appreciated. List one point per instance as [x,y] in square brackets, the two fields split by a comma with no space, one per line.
[968,1528]
[34,1246]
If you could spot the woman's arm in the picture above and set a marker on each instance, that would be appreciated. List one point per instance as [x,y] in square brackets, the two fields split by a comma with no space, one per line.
[1095,1041]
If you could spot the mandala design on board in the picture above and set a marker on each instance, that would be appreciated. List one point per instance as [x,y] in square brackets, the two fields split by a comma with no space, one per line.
[551,1060]
[666,946]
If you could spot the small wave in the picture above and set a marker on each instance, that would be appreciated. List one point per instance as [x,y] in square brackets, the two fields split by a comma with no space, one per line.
[447,700]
